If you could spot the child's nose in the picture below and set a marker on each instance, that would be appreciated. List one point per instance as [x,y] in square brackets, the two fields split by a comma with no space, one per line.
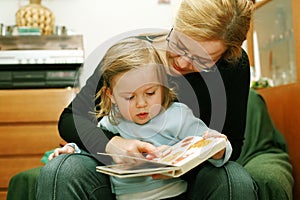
[141,101]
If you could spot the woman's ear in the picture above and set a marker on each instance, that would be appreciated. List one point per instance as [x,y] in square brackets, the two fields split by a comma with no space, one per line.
[109,93]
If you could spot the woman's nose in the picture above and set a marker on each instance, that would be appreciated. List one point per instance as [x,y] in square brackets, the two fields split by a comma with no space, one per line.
[183,61]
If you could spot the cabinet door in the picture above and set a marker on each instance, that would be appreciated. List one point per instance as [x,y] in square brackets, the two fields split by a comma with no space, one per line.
[273,47]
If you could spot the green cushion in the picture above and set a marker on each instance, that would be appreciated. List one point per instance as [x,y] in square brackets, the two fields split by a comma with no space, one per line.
[273,175]
[23,185]
[264,154]
[261,136]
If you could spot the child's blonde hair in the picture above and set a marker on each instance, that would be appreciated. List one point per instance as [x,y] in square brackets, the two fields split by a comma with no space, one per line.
[127,54]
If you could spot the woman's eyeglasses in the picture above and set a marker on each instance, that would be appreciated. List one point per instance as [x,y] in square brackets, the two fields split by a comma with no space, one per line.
[195,60]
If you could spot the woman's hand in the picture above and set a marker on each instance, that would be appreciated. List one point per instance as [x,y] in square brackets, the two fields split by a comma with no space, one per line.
[215,134]
[63,150]
[128,147]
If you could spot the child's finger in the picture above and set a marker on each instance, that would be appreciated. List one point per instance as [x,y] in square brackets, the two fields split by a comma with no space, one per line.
[50,157]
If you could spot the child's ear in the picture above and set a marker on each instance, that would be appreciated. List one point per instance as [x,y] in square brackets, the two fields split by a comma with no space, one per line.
[110,95]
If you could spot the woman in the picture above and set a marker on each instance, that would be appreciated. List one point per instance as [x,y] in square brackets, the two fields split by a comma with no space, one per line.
[205,47]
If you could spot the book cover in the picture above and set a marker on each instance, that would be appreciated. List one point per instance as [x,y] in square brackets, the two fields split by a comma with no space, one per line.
[175,160]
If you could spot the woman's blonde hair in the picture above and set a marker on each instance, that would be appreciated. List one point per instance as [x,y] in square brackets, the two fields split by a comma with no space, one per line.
[225,20]
[127,54]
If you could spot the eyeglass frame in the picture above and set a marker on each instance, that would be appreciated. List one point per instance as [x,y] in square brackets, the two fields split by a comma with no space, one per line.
[196,60]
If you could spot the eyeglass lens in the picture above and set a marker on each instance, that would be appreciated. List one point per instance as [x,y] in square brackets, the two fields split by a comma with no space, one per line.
[183,52]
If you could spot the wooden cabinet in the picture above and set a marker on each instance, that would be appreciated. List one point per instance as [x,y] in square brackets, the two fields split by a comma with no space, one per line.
[273,41]
[28,128]
[273,46]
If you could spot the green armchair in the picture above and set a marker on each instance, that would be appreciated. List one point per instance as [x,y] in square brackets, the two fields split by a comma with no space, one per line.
[264,156]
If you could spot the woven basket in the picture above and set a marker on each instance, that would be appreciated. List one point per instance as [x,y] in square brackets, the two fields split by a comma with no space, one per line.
[36,15]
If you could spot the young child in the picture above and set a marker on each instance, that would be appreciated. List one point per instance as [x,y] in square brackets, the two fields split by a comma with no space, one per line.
[137,103]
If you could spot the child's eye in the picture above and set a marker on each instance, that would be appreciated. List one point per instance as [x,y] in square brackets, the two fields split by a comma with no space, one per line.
[129,98]
[150,93]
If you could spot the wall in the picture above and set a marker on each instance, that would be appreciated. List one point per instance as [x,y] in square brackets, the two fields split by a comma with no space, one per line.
[99,20]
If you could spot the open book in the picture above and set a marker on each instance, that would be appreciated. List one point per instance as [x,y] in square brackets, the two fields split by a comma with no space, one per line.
[175,160]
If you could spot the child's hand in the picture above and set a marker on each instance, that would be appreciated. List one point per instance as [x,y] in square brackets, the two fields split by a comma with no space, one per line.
[63,150]
[128,148]
[160,151]
[215,134]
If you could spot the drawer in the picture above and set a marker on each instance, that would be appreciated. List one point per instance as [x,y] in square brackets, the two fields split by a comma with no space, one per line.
[13,165]
[34,105]
[26,139]
[3,195]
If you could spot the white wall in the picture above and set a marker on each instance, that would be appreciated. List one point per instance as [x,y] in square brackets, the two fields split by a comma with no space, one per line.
[99,20]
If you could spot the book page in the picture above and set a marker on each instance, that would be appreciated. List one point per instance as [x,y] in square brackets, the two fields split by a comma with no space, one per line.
[188,149]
